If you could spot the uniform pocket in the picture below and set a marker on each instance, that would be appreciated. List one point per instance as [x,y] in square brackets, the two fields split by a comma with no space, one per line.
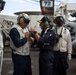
[63,43]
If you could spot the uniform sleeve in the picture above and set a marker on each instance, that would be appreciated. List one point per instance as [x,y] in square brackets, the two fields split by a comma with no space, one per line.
[69,43]
[1,41]
[14,35]
[33,35]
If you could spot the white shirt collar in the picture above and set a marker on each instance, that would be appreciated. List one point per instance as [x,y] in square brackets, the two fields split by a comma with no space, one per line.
[46,30]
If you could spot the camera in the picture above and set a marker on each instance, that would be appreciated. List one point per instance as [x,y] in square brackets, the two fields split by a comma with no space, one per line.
[57,38]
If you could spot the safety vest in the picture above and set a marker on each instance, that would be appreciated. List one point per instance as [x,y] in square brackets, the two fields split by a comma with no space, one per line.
[23,50]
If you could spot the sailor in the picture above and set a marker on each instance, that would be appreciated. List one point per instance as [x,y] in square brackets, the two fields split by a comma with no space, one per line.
[45,42]
[62,48]
[19,43]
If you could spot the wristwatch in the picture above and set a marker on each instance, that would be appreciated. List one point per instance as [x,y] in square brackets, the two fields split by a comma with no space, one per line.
[35,32]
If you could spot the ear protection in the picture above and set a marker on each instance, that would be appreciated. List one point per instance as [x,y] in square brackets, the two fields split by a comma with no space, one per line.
[21,20]
[46,21]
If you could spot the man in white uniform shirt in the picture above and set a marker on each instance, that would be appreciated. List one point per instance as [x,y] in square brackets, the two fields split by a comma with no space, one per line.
[20,46]
[62,48]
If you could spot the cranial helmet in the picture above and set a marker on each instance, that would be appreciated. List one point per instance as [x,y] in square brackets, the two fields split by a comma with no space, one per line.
[59,19]
[23,18]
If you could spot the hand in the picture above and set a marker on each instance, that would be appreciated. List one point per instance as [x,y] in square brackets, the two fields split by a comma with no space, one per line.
[27,35]
[33,28]
[69,56]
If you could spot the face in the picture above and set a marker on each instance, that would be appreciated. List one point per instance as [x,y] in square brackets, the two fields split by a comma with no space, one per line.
[41,25]
[59,23]
[23,25]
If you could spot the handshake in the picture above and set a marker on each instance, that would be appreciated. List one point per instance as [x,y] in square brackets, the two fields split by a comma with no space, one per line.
[28,33]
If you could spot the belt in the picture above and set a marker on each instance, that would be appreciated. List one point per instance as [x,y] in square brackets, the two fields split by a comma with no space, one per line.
[60,51]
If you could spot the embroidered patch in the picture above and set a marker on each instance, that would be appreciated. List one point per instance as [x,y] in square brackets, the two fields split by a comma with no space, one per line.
[50,34]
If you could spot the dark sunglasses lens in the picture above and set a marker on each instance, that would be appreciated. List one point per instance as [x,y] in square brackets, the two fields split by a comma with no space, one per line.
[27,21]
